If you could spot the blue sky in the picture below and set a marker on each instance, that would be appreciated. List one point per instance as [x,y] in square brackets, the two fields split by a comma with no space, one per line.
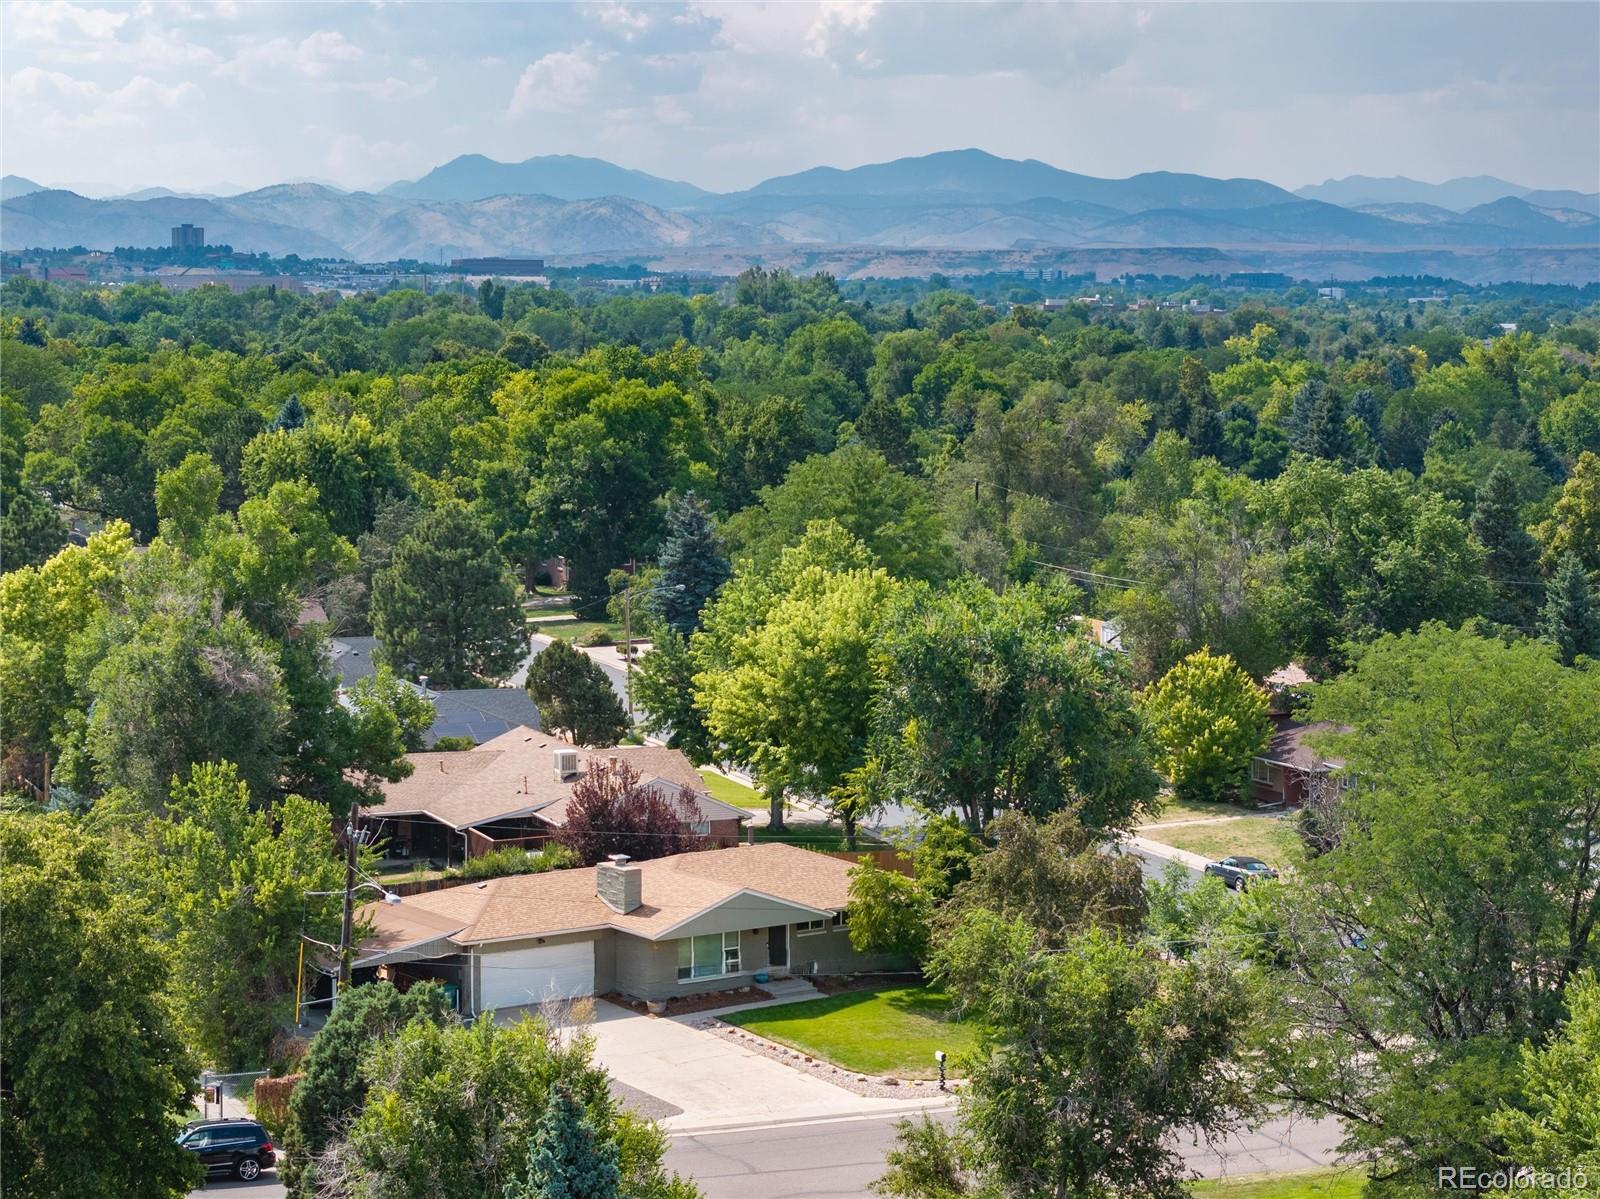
[191,95]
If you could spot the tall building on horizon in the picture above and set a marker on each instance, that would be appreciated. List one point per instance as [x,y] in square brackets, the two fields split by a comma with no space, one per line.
[188,237]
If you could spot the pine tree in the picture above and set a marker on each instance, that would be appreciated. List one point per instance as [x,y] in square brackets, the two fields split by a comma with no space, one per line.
[446,605]
[1297,423]
[1326,435]
[291,415]
[573,693]
[566,1160]
[1511,558]
[1571,618]
[693,567]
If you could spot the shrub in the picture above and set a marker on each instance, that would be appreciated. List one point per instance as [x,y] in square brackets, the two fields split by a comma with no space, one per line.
[515,860]
[595,637]
[270,1102]
[445,745]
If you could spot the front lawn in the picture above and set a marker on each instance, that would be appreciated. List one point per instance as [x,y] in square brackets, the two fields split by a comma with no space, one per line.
[887,1031]
[818,836]
[1306,1184]
[1173,808]
[732,791]
[571,630]
[1270,838]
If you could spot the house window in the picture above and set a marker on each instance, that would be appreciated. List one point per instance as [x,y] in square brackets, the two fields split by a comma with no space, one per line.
[841,920]
[807,927]
[713,956]
[1263,771]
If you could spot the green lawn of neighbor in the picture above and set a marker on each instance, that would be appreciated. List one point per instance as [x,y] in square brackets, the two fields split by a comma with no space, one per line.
[1269,838]
[1307,1184]
[817,836]
[571,630]
[891,1030]
[730,791]
[1173,808]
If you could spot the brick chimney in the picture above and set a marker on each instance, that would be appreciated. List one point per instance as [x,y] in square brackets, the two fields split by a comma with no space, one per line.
[618,883]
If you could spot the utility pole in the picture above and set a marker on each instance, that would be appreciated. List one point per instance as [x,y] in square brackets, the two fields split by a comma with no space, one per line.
[349,903]
[627,641]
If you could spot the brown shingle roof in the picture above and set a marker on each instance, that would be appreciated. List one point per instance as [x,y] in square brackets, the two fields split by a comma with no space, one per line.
[1288,745]
[673,889]
[512,775]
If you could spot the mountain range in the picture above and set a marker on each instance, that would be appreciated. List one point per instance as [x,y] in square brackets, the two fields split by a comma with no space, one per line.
[952,201]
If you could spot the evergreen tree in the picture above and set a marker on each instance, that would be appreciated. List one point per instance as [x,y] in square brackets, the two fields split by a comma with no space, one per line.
[31,530]
[693,566]
[1511,557]
[1297,423]
[566,1159]
[1571,618]
[492,299]
[573,693]
[1367,408]
[1326,435]
[291,415]
[446,606]
[1545,458]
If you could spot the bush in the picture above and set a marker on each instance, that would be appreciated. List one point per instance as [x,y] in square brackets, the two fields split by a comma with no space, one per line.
[270,1102]
[515,860]
[445,745]
[595,637]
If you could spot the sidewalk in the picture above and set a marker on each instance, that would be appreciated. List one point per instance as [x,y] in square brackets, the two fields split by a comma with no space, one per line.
[1159,849]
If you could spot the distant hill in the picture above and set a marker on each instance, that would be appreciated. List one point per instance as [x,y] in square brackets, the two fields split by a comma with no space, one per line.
[13,186]
[962,201]
[1458,195]
[965,175]
[564,176]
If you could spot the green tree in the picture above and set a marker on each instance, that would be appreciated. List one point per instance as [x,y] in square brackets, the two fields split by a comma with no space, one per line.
[1510,555]
[87,1046]
[793,698]
[446,606]
[1441,931]
[1570,619]
[1555,1128]
[332,1089]
[574,693]
[450,1112]
[663,697]
[231,887]
[1208,718]
[692,565]
[186,500]
[889,512]
[1574,524]
[566,1159]
[945,855]
[1053,874]
[991,707]
[492,299]
[31,529]
[889,912]
[1089,1059]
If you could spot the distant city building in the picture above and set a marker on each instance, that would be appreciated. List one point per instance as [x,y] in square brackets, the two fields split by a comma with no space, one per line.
[515,268]
[1330,293]
[188,237]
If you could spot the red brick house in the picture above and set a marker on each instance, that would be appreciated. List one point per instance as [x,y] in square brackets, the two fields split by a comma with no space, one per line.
[1283,773]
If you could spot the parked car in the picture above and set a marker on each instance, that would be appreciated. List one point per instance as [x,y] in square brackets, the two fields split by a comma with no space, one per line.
[238,1147]
[1240,871]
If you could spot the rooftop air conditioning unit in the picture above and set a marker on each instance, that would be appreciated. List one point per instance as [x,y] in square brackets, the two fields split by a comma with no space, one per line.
[566,763]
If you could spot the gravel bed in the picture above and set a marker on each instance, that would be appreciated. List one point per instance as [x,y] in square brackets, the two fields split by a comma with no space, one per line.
[872,1086]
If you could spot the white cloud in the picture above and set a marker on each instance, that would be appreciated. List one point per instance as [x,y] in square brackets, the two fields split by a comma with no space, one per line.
[50,103]
[46,20]
[561,81]
[617,18]
[315,56]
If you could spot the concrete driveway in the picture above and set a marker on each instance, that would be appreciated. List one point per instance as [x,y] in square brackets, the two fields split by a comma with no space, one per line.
[714,1081]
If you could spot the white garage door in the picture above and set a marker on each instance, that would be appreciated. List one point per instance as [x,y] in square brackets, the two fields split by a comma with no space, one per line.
[513,977]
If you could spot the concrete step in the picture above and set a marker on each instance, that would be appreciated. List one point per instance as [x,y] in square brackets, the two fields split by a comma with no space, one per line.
[793,989]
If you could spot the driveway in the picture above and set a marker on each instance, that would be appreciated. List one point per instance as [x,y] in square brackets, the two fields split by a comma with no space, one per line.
[713,1080]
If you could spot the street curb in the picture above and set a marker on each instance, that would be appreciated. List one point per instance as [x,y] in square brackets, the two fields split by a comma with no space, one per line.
[896,1112]
[1158,849]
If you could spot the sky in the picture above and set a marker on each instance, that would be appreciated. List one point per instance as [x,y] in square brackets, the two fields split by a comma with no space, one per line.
[197,96]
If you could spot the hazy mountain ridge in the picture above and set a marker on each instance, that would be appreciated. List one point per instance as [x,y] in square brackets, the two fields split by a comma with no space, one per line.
[1458,195]
[963,200]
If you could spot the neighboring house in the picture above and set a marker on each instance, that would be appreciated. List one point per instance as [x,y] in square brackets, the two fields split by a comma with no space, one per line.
[1285,772]
[481,713]
[653,930]
[514,790]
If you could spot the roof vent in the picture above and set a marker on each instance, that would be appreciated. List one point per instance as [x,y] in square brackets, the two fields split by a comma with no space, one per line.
[565,762]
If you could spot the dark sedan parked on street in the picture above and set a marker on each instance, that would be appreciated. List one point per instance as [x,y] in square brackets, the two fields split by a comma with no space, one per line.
[239,1147]
[1240,871]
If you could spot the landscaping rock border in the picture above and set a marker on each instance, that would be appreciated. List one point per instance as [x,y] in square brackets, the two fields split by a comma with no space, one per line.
[873,1087]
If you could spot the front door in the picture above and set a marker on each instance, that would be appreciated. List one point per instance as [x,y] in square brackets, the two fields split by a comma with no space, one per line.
[778,946]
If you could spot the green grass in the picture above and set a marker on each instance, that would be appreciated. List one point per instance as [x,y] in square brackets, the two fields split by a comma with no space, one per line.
[818,836]
[892,1030]
[571,630]
[1308,1184]
[730,791]
[1173,808]
[1270,838]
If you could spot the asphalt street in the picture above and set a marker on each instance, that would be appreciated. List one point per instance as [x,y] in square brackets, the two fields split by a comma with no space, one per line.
[838,1159]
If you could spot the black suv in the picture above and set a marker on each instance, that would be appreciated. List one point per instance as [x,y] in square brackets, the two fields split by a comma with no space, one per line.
[241,1147]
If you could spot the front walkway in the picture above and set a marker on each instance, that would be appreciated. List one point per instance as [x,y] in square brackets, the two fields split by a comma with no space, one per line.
[717,1083]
